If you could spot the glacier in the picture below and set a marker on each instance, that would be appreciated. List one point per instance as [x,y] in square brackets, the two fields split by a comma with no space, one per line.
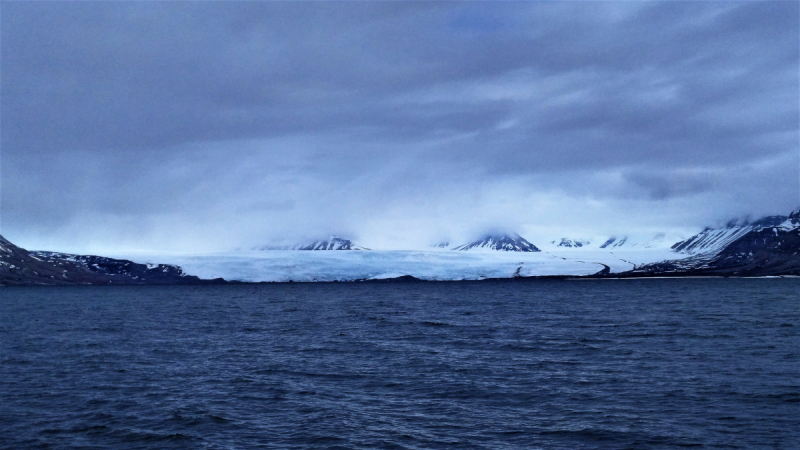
[434,265]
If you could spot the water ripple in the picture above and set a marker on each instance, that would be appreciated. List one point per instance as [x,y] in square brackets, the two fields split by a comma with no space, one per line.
[656,364]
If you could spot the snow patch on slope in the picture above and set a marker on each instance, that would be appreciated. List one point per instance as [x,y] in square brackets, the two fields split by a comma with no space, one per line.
[708,240]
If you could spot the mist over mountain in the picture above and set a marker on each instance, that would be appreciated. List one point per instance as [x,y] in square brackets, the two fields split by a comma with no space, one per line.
[332,243]
[766,247]
[499,242]
[201,127]
[711,239]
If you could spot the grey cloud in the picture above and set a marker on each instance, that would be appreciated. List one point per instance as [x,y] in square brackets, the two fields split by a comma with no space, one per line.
[196,109]
[659,186]
[155,74]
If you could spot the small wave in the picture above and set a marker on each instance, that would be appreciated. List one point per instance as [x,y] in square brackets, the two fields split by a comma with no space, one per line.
[431,323]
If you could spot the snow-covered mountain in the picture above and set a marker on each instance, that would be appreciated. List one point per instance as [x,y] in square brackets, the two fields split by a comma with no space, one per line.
[500,242]
[767,247]
[571,243]
[332,243]
[713,240]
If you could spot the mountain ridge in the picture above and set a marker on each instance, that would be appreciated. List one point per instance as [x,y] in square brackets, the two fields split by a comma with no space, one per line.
[20,267]
[332,243]
[716,239]
[763,250]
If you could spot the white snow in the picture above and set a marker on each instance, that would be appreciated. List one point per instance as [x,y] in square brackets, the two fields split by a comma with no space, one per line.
[787,225]
[716,240]
[277,265]
[624,242]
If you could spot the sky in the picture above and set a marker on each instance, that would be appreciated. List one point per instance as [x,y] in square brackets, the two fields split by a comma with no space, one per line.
[209,126]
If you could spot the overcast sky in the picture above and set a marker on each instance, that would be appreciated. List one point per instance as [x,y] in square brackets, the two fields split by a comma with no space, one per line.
[204,126]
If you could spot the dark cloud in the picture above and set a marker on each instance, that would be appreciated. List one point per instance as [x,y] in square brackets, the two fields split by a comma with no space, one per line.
[343,115]
[659,186]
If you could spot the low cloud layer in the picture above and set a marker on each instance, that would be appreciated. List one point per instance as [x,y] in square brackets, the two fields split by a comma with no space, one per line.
[212,125]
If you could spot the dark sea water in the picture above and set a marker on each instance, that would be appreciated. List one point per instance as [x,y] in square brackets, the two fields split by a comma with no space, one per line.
[611,364]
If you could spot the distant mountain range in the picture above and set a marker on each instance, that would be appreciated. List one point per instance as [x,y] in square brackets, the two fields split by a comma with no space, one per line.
[498,242]
[766,247]
[494,241]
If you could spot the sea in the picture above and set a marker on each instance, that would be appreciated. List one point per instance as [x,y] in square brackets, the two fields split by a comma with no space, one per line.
[541,364]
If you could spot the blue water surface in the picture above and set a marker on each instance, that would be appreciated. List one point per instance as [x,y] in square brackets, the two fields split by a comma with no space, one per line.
[610,364]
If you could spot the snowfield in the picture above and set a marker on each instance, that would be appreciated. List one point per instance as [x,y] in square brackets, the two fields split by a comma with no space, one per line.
[287,265]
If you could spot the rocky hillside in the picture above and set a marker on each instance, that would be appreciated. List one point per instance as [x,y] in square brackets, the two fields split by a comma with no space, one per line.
[763,250]
[19,267]
[716,239]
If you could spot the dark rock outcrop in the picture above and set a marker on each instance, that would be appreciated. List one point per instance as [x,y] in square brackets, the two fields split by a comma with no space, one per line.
[614,242]
[20,267]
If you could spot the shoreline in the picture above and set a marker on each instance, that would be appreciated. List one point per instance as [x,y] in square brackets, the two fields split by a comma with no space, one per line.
[409,279]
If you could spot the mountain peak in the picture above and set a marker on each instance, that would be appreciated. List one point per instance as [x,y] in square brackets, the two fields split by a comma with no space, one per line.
[333,243]
[500,242]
